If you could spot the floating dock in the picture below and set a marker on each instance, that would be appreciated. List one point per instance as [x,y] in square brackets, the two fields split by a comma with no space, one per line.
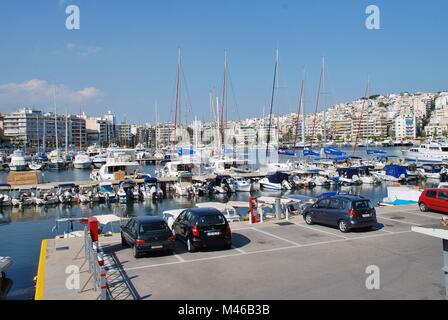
[278,259]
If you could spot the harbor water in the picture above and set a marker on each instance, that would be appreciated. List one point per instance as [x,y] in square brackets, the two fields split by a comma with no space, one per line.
[22,229]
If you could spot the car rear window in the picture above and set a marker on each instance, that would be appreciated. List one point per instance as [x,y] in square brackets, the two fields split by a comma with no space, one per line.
[362,205]
[431,194]
[153,226]
[214,220]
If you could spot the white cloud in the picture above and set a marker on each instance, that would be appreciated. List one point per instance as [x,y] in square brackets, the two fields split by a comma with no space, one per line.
[39,93]
[83,50]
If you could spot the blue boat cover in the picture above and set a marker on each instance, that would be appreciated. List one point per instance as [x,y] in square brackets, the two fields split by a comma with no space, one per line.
[309,152]
[277,177]
[395,170]
[333,151]
[376,152]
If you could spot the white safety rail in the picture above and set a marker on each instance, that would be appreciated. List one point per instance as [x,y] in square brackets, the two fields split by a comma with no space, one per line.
[95,261]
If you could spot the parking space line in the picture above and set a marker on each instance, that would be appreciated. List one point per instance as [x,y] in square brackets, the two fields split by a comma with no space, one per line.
[382,230]
[277,237]
[409,212]
[267,250]
[178,257]
[239,250]
[323,231]
[399,221]
[380,235]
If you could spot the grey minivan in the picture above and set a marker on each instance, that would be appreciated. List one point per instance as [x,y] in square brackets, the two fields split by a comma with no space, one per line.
[347,212]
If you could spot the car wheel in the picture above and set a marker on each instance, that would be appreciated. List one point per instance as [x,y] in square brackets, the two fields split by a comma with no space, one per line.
[136,253]
[423,207]
[190,247]
[123,241]
[309,219]
[343,226]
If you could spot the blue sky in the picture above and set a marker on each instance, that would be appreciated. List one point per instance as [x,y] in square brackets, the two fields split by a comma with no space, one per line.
[124,56]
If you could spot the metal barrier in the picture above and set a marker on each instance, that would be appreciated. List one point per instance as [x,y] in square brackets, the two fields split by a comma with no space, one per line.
[96,267]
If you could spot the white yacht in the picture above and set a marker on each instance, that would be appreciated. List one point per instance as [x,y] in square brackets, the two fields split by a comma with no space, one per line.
[57,161]
[118,160]
[18,161]
[433,152]
[82,161]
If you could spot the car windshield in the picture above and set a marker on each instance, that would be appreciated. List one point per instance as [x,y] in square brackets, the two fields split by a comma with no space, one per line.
[362,205]
[215,219]
[153,226]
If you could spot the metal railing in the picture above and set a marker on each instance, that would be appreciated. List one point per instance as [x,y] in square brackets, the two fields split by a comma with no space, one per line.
[96,267]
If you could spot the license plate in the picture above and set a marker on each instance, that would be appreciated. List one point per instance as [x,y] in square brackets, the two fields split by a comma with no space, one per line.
[215,233]
[366,215]
[157,247]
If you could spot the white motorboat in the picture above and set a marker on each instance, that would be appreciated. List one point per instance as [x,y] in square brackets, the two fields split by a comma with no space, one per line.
[66,193]
[57,161]
[428,153]
[88,194]
[118,160]
[82,161]
[5,263]
[5,195]
[242,185]
[45,196]
[228,211]
[431,171]
[36,165]
[393,173]
[18,161]
[99,160]
[184,185]
[25,197]
[277,182]
[150,189]
[106,192]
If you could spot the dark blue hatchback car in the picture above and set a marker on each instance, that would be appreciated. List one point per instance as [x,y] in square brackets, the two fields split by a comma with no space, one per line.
[347,212]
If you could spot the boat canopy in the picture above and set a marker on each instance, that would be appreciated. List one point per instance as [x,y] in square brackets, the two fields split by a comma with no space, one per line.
[348,172]
[277,177]
[222,177]
[341,159]
[150,179]
[395,170]
[432,168]
[66,185]
[127,183]
[376,152]
[333,152]
[107,218]
[309,152]
[183,152]
[5,186]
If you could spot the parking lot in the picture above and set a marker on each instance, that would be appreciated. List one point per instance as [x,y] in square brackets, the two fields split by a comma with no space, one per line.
[291,260]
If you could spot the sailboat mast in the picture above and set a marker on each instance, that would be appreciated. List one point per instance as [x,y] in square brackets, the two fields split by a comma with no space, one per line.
[55,119]
[272,105]
[66,132]
[37,133]
[299,109]
[43,134]
[177,99]
[317,103]
[360,118]
[223,102]
[157,125]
